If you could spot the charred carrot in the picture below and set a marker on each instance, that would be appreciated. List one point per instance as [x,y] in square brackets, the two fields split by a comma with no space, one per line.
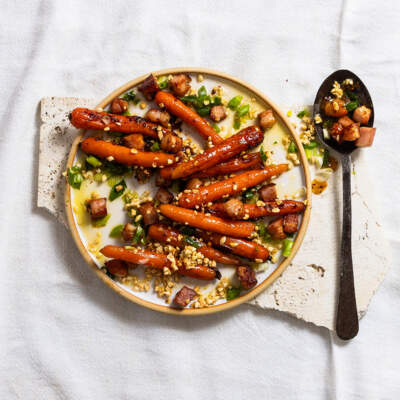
[186,114]
[124,155]
[83,118]
[229,187]
[155,260]
[271,208]
[168,235]
[136,256]
[207,222]
[245,139]
[240,163]
[240,247]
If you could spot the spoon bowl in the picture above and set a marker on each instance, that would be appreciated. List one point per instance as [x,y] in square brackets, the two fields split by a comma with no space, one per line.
[347,316]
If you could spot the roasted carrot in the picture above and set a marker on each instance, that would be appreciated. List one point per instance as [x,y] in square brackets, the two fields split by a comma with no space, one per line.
[241,247]
[245,139]
[229,187]
[199,272]
[271,208]
[186,114]
[155,260]
[136,256]
[239,163]
[207,222]
[124,155]
[83,118]
[165,234]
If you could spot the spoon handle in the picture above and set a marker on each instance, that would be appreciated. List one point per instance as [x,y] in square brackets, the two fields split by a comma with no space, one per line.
[346,318]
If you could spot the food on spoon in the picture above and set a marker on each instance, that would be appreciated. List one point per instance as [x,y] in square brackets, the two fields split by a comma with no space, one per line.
[186,114]
[229,187]
[366,136]
[352,132]
[98,208]
[83,118]
[184,296]
[266,119]
[124,155]
[246,276]
[207,222]
[362,115]
[335,107]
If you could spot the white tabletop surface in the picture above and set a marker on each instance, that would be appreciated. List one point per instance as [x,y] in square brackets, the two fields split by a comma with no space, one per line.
[63,333]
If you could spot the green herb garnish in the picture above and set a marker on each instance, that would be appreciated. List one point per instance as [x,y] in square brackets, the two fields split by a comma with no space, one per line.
[292,148]
[351,106]
[234,102]
[116,232]
[232,293]
[242,110]
[325,160]
[131,96]
[216,128]
[117,190]
[75,178]
[93,161]
[236,123]
[262,154]
[139,235]
[193,242]
[99,223]
[311,145]
[287,247]
[203,102]
[304,113]
[162,82]
[155,146]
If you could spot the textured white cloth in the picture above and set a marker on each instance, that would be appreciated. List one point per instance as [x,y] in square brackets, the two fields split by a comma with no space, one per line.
[63,333]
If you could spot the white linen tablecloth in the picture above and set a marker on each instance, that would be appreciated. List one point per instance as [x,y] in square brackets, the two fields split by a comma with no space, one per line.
[63,333]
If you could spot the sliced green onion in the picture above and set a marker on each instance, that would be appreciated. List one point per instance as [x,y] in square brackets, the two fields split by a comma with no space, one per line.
[131,96]
[234,102]
[303,113]
[202,92]
[139,235]
[116,232]
[325,162]
[261,229]
[216,128]
[162,82]
[236,123]
[311,145]
[287,247]
[243,110]
[99,223]
[113,180]
[351,106]
[114,193]
[292,148]
[193,242]
[232,293]
[75,178]
[262,154]
[155,146]
[248,195]
[93,161]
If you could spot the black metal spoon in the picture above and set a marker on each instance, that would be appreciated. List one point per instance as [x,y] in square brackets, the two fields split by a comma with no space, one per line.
[347,317]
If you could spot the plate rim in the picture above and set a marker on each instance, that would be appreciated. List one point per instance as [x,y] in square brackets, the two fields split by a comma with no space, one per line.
[229,304]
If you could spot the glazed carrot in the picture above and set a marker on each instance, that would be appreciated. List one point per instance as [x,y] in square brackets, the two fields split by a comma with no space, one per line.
[137,256]
[186,114]
[165,234]
[124,155]
[83,118]
[207,222]
[239,163]
[155,260]
[241,247]
[199,272]
[271,208]
[229,187]
[245,139]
